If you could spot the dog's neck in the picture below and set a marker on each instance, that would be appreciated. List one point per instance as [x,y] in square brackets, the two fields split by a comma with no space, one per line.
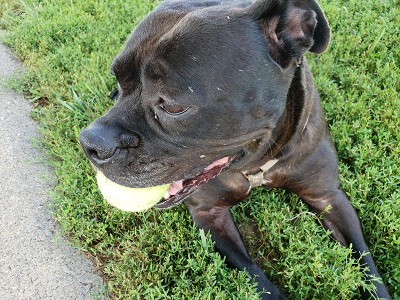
[297,110]
[292,123]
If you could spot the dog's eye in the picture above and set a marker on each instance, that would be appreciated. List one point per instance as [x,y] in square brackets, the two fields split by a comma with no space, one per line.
[173,108]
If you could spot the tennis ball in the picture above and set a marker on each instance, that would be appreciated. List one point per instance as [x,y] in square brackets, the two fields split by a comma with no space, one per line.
[127,198]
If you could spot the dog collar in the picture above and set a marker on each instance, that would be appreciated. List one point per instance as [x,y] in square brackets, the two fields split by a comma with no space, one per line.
[258,178]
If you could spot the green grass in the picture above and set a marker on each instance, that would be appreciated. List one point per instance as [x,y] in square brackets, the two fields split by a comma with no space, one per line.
[67,47]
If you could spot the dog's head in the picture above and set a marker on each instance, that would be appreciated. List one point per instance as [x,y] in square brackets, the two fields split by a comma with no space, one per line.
[202,87]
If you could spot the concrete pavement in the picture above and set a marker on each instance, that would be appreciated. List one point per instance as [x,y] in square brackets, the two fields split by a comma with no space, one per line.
[35,262]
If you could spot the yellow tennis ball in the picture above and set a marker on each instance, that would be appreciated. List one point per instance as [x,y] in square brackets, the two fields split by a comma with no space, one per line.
[127,198]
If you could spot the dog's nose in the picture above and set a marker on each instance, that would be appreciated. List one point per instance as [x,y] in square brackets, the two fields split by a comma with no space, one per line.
[101,143]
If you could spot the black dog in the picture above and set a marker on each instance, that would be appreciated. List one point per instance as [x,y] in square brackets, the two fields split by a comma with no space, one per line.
[217,97]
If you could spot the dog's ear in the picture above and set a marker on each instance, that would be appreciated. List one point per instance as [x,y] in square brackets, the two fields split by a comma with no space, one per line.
[291,27]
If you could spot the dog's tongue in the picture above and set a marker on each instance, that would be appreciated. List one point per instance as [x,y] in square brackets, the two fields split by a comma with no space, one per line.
[177,186]
[219,162]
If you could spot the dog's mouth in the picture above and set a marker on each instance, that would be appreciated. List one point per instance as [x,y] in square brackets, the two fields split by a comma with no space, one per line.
[179,190]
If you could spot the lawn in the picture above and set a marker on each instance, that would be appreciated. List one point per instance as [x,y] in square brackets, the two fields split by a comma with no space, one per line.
[67,47]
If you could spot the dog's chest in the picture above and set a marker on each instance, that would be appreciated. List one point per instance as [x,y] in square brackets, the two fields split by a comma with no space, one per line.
[259,178]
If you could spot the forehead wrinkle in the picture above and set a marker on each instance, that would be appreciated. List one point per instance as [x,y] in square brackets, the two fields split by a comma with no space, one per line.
[167,24]
[148,34]
[141,44]
[198,19]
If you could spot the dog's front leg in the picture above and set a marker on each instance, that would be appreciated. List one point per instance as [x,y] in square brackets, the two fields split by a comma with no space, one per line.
[340,217]
[316,181]
[210,211]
